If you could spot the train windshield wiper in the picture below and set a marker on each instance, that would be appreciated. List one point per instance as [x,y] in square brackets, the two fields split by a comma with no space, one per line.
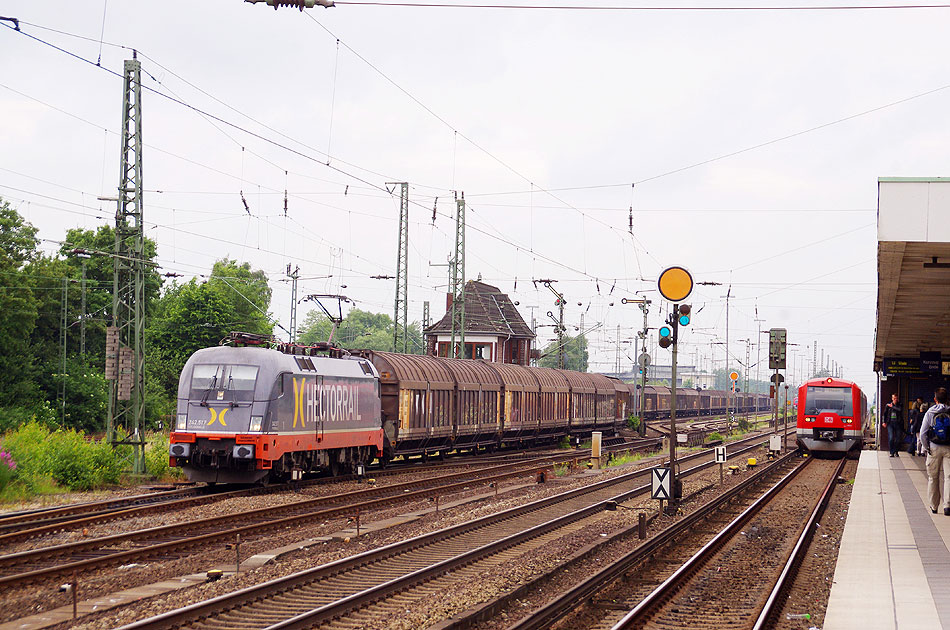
[204,398]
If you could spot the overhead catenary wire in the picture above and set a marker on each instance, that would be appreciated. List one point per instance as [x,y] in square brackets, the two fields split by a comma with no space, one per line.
[650,8]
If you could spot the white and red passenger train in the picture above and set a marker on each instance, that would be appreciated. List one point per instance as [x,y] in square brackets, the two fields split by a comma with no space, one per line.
[832,416]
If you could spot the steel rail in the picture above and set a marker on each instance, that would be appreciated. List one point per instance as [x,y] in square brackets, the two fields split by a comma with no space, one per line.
[63,518]
[229,601]
[789,571]
[671,585]
[570,599]
[398,491]
[459,482]
[23,518]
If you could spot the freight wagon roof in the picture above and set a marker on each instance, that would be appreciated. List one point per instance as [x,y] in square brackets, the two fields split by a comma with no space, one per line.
[515,377]
[657,389]
[602,384]
[620,386]
[412,371]
[551,380]
[473,375]
[580,382]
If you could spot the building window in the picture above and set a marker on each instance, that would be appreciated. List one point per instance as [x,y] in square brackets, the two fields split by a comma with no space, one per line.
[472,350]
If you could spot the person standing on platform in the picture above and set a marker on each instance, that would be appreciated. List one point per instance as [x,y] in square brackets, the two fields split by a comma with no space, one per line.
[938,455]
[921,410]
[914,419]
[892,421]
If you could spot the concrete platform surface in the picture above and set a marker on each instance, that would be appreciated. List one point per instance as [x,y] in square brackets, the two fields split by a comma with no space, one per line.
[893,566]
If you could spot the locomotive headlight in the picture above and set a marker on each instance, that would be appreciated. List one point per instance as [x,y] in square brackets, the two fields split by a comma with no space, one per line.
[179,450]
[846,420]
[182,421]
[810,419]
[243,451]
[256,422]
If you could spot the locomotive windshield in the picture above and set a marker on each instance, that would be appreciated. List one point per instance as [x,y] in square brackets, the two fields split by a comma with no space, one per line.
[236,378]
[828,400]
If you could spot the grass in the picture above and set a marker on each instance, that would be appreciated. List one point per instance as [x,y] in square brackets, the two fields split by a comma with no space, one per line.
[627,458]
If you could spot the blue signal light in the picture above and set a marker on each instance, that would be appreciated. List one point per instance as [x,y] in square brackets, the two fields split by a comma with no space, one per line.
[665,331]
[684,320]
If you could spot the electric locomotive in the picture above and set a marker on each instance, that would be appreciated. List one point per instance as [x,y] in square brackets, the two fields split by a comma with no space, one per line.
[832,416]
[247,413]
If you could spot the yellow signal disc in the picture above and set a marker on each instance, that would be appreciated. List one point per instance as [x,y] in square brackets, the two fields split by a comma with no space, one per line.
[675,284]
[734,376]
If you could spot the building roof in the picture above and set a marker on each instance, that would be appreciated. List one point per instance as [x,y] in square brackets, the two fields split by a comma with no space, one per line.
[913,269]
[487,310]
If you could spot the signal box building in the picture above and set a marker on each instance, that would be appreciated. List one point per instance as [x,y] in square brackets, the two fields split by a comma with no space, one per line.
[494,329]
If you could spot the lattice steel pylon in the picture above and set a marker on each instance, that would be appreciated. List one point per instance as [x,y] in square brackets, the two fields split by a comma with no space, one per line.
[457,283]
[400,310]
[127,400]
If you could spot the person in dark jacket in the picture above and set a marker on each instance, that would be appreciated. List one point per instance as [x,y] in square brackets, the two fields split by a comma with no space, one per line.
[915,417]
[892,422]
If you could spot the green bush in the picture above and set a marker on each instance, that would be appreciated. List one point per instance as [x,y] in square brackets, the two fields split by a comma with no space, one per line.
[13,417]
[633,422]
[63,457]
[156,458]
[714,436]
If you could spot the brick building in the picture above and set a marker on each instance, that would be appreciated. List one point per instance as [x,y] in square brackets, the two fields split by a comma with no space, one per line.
[494,329]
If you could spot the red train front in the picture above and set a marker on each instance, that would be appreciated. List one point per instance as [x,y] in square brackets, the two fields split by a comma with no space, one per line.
[832,415]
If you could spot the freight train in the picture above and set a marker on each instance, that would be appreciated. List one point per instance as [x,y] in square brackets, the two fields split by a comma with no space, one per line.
[700,402]
[252,409]
[832,416]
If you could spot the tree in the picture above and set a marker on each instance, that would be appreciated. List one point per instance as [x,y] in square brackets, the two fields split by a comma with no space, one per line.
[197,315]
[247,292]
[188,317]
[360,330]
[575,350]
[19,308]
[100,265]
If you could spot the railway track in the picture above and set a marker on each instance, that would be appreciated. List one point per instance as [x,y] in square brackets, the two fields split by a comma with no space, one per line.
[20,526]
[349,592]
[694,566]
[181,539]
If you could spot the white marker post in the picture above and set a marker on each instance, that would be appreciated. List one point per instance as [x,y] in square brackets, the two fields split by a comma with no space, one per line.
[721,460]
[660,487]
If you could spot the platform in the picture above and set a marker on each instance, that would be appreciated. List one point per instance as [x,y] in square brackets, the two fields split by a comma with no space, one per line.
[893,566]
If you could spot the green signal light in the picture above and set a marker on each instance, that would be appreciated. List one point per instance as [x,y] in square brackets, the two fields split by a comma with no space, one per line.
[684,320]
[665,331]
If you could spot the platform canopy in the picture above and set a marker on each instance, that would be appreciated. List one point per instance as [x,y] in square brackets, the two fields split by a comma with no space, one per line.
[913,268]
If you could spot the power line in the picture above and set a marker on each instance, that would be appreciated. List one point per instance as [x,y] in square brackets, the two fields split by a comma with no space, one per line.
[576,7]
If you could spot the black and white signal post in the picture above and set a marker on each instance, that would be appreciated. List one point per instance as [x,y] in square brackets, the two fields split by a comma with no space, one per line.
[675,284]
[777,343]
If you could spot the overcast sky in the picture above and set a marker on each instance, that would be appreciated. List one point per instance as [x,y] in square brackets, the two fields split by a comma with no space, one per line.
[755,140]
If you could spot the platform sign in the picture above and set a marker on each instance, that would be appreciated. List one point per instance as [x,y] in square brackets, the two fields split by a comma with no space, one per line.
[661,484]
[720,454]
[930,362]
